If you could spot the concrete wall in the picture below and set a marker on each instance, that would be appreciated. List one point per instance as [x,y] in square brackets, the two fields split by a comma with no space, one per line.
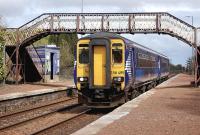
[27,102]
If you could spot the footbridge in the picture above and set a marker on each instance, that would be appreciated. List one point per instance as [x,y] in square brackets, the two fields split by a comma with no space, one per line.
[86,23]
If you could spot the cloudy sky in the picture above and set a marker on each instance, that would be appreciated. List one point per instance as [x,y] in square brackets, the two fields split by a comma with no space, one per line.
[17,12]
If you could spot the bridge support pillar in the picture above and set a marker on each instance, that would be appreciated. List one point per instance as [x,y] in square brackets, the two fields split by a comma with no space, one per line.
[197,67]
[197,57]
[17,66]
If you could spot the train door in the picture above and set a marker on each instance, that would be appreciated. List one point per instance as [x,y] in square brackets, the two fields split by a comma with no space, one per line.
[159,70]
[99,65]
[133,63]
[52,68]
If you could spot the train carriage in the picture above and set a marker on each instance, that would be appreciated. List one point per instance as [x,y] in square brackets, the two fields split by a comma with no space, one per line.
[110,69]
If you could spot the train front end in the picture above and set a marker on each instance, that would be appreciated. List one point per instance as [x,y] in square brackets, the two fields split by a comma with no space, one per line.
[99,71]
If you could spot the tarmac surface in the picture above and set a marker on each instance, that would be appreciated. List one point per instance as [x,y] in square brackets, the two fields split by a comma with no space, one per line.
[172,108]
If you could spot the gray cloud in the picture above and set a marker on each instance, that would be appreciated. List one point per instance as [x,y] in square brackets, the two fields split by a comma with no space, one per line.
[20,10]
[12,8]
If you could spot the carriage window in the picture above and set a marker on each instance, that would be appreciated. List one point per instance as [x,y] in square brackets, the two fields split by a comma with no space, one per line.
[83,56]
[146,60]
[117,55]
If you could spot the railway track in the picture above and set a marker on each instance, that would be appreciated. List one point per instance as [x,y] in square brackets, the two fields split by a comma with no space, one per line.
[48,129]
[11,120]
[44,123]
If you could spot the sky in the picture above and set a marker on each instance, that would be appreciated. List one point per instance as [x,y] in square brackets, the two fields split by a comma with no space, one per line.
[17,12]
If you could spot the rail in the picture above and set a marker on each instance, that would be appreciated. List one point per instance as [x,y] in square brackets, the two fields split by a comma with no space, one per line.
[2,127]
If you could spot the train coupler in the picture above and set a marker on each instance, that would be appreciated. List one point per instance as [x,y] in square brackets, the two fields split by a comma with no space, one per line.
[99,93]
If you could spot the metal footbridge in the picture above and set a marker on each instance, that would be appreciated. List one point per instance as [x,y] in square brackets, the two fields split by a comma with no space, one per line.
[85,23]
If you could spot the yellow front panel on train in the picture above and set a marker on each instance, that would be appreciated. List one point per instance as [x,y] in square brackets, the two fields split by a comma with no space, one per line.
[99,65]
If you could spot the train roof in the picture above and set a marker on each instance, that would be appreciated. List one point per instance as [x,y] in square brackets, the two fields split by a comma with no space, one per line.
[127,41]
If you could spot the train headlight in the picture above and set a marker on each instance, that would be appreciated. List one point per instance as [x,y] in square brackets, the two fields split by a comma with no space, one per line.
[118,79]
[83,79]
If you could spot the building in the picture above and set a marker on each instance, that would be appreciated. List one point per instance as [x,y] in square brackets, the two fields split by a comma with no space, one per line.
[47,61]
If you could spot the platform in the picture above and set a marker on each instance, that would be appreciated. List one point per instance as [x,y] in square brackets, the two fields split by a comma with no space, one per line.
[15,98]
[22,90]
[172,108]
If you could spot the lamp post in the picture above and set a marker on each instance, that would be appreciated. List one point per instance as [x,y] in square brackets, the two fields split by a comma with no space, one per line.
[193,64]
[82,11]
[192,19]
[82,6]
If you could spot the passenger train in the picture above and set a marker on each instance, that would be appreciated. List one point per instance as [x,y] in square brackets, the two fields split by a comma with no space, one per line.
[110,69]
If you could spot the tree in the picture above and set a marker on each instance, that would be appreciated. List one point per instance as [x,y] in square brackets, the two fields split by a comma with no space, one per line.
[176,68]
[66,42]
[190,65]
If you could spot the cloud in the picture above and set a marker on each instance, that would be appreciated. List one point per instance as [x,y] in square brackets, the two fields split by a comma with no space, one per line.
[11,8]
[22,10]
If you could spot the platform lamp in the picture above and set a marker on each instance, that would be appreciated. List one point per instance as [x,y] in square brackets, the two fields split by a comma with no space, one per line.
[82,10]
[193,64]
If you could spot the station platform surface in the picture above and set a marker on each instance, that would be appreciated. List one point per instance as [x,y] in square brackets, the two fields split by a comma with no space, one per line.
[172,108]
[21,90]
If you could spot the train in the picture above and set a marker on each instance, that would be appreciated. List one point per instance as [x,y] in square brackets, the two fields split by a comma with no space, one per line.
[110,70]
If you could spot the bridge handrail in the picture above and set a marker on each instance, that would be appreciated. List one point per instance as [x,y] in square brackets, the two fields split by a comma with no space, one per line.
[159,22]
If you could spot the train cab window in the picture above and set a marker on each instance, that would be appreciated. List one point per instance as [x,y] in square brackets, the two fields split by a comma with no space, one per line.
[117,55]
[83,56]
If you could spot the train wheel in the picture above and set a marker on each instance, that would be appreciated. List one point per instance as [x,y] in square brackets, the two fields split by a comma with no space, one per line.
[143,89]
[126,96]
[157,83]
[135,94]
[149,86]
[154,84]
[80,99]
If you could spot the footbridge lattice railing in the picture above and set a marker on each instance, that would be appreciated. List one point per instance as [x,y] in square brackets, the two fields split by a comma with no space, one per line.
[85,23]
[93,22]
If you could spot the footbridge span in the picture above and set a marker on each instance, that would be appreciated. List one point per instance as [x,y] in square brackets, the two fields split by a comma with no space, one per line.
[85,23]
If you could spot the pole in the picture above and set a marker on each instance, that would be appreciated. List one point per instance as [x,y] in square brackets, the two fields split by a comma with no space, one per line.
[193,66]
[4,63]
[196,55]
[17,59]
[193,56]
[82,12]
[82,6]
[17,65]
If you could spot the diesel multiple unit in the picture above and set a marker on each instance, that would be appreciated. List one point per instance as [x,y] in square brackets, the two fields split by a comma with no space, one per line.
[110,69]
